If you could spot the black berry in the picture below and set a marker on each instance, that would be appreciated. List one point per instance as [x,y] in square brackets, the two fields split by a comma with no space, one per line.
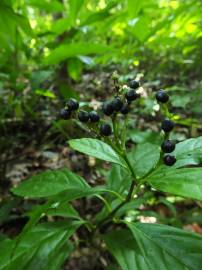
[131,95]
[167,125]
[134,84]
[72,104]
[83,116]
[125,108]
[169,160]
[162,96]
[108,108]
[117,104]
[65,114]
[168,146]
[106,130]
[94,117]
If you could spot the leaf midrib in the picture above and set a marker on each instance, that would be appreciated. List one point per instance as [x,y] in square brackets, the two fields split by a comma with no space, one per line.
[157,244]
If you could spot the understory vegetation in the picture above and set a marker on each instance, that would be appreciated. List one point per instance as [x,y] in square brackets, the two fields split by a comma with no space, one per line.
[101,134]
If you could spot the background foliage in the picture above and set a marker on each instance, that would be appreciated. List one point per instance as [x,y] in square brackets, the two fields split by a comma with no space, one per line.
[51,50]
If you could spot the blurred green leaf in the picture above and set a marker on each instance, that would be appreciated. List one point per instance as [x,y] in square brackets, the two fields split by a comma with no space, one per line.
[134,7]
[63,52]
[75,7]
[74,67]
[45,93]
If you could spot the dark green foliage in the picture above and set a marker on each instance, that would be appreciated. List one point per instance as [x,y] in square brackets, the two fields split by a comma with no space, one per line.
[80,53]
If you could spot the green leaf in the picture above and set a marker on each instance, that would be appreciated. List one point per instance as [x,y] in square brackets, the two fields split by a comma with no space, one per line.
[119,179]
[63,209]
[61,25]
[43,247]
[51,183]
[48,6]
[98,149]
[74,67]
[183,182]
[45,93]
[138,136]
[67,92]
[123,247]
[144,158]
[96,17]
[189,152]
[66,51]
[165,247]
[134,7]
[75,7]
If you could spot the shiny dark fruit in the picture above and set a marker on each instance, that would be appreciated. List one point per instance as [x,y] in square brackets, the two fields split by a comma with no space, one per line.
[72,104]
[169,160]
[131,95]
[162,96]
[117,104]
[108,108]
[94,117]
[167,125]
[125,108]
[65,114]
[83,116]
[168,146]
[134,84]
[105,129]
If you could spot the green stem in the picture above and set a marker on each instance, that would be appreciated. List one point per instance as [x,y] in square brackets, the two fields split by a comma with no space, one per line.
[129,165]
[130,195]
[115,129]
[123,133]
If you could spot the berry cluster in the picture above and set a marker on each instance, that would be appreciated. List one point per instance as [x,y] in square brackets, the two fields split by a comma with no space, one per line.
[109,108]
[120,104]
[167,126]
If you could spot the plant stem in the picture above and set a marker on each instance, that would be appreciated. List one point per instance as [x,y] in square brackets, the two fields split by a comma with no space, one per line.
[128,197]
